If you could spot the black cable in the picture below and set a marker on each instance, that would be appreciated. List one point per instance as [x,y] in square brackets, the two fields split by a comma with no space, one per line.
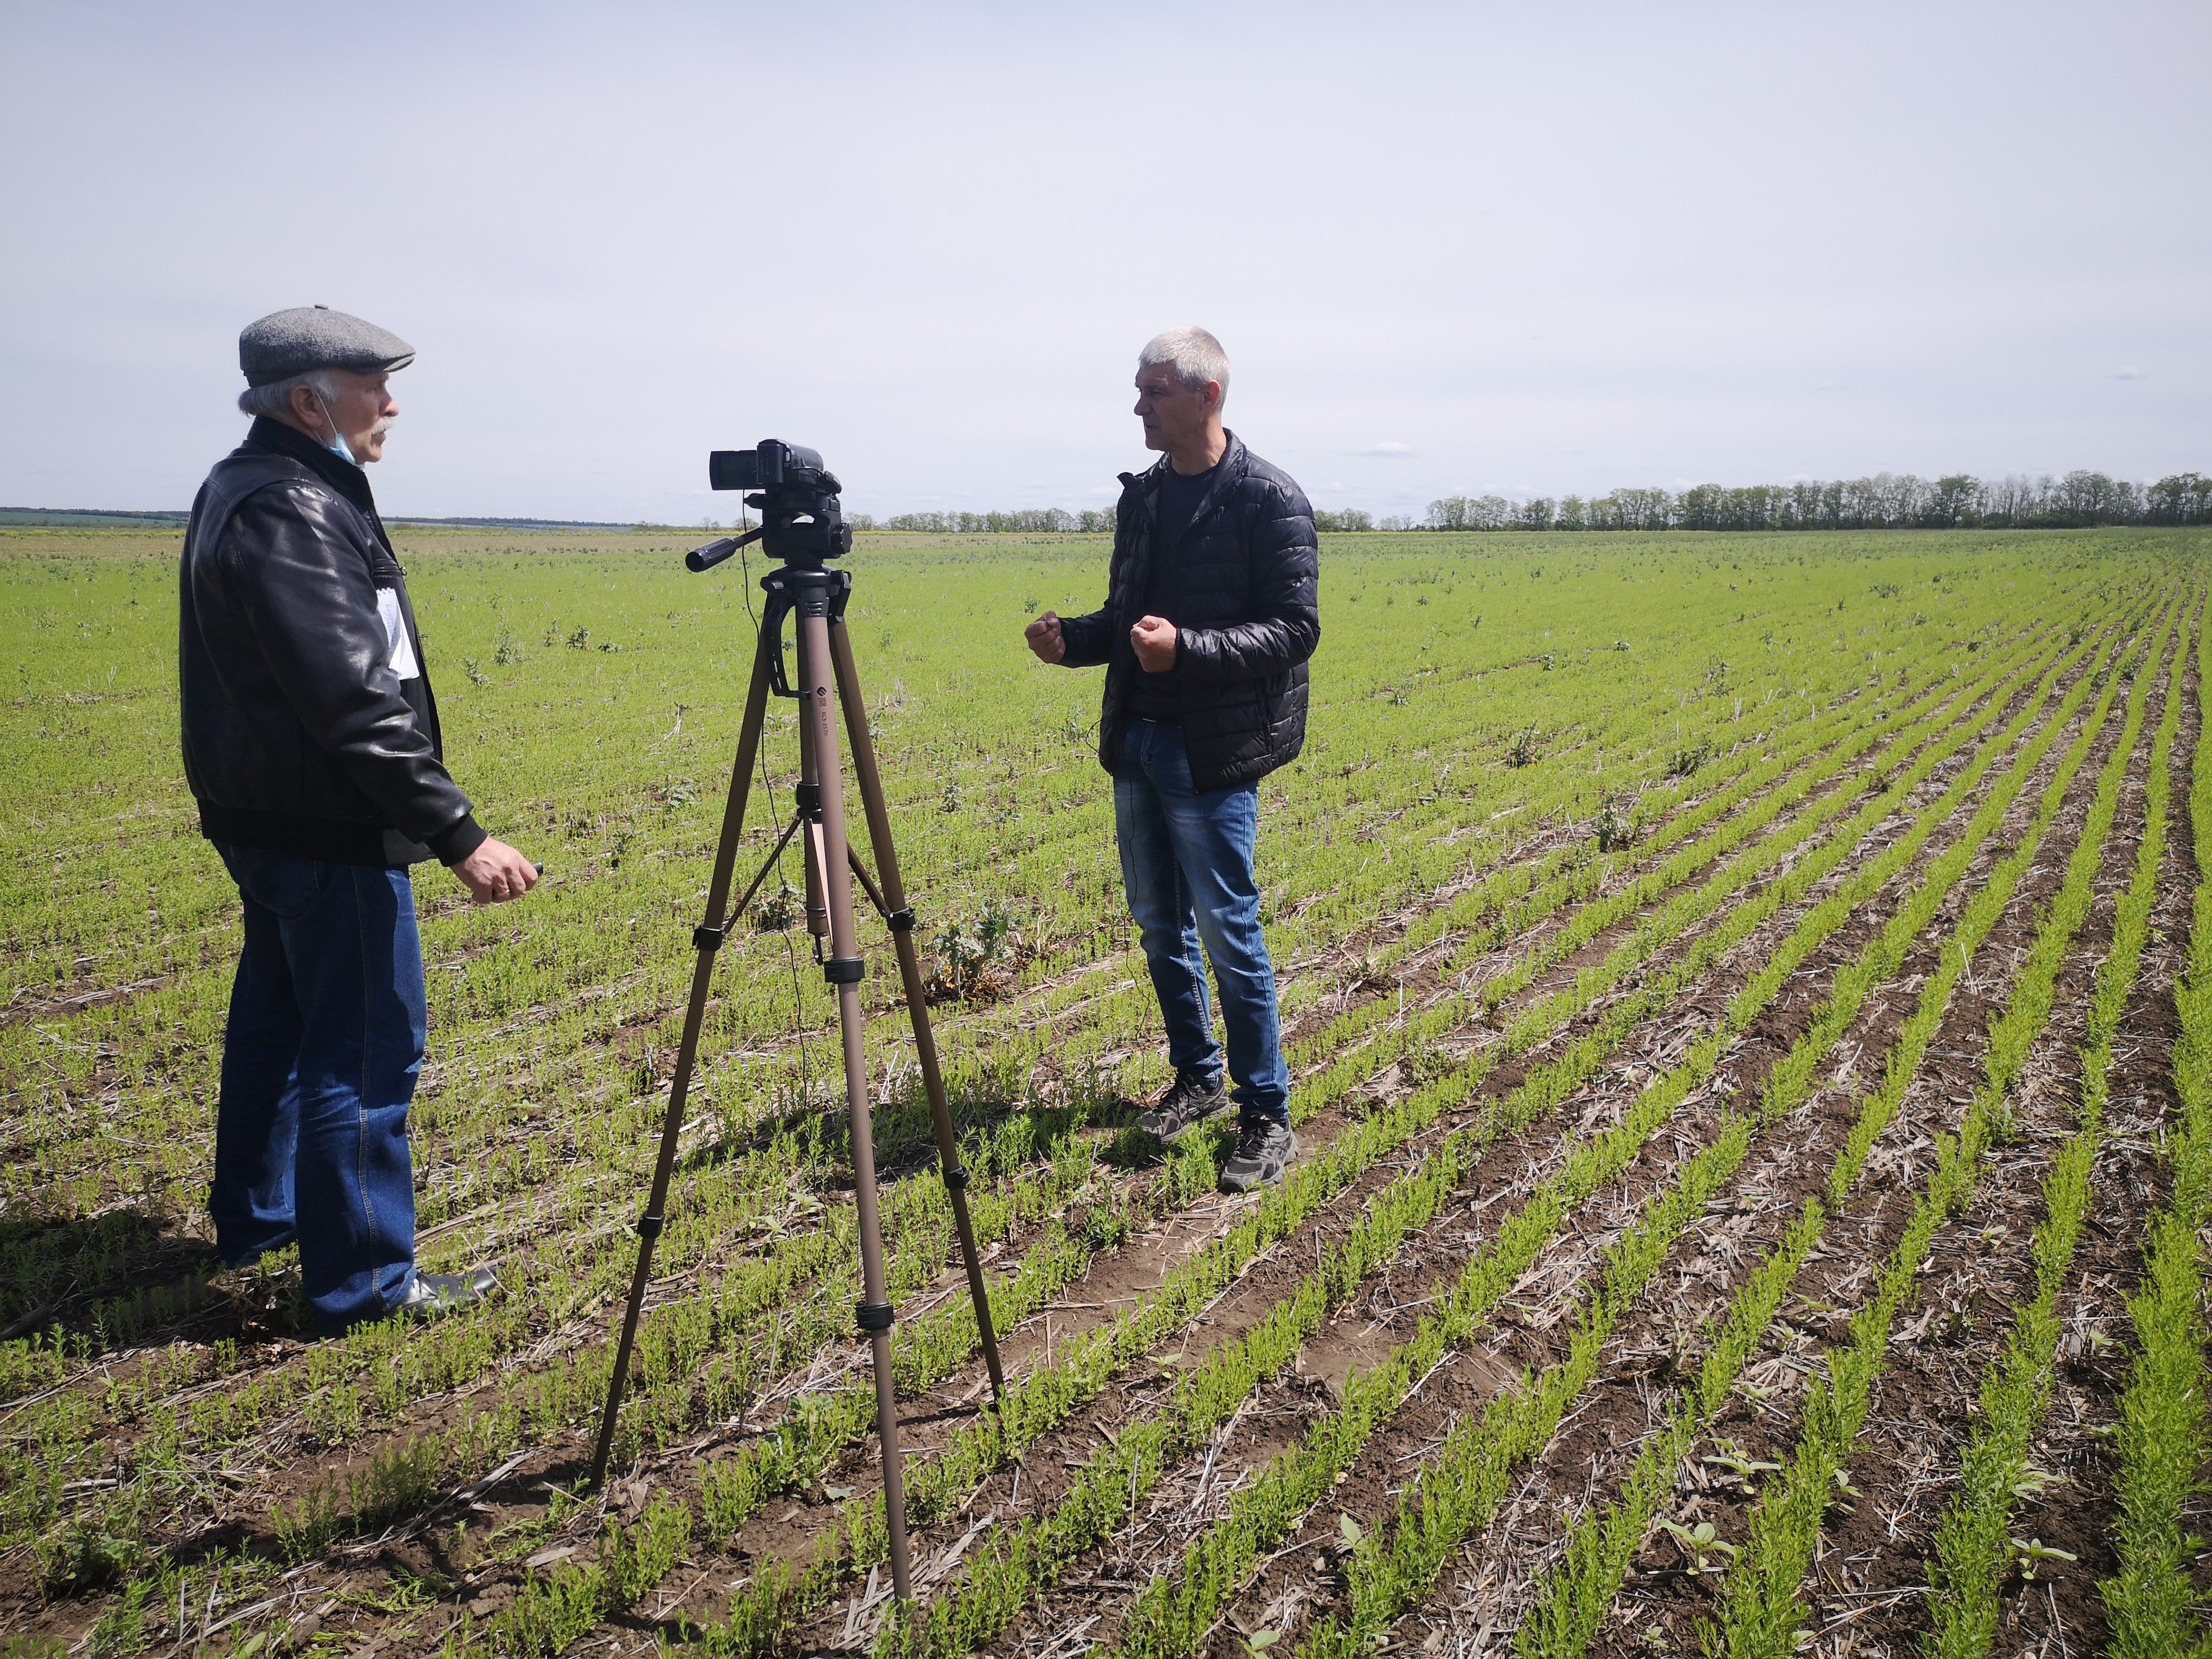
[783,884]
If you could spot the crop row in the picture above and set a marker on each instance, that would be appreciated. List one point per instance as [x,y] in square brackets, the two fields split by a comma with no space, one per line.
[730,1481]
[1572,1603]
[2166,1409]
[1682,908]
[1467,1479]
[1761,1611]
[1974,1548]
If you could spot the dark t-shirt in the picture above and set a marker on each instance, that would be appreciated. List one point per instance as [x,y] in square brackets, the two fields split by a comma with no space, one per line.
[1179,499]
[1153,697]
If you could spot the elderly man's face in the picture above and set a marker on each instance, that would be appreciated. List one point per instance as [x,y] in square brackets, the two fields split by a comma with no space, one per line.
[362,411]
[1174,416]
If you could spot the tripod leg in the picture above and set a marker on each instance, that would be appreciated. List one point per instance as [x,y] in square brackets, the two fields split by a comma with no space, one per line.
[706,939]
[843,970]
[917,1002]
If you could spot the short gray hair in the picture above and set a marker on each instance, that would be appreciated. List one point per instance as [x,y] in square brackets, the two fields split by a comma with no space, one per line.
[1197,357]
[273,401]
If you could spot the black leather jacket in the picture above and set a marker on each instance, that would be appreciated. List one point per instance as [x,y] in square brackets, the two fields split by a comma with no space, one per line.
[299,734]
[1248,580]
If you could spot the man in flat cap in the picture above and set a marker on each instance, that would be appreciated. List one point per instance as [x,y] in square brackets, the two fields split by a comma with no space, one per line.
[310,743]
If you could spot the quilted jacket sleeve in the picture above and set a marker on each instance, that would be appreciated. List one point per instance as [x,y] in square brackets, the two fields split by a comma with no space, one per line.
[312,606]
[1285,625]
[1088,640]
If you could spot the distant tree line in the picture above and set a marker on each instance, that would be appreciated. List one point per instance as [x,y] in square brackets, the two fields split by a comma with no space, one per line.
[1887,501]
[1351,518]
[1032,520]
[1053,519]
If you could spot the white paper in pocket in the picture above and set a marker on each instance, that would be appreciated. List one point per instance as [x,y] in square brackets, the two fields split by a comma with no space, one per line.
[402,660]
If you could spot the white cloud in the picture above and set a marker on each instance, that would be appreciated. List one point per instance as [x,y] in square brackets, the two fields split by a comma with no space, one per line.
[2127,371]
[1387,451]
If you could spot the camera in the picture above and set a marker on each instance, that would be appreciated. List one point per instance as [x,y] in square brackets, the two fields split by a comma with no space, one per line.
[772,465]
[801,519]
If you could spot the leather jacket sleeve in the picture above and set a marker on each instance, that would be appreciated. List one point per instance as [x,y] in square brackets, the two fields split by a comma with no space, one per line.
[1285,626]
[310,598]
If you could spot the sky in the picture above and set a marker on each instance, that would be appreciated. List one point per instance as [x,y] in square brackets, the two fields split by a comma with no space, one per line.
[1450,249]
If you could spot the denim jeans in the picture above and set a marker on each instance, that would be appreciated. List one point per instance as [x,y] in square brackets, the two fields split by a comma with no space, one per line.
[1187,868]
[327,1023]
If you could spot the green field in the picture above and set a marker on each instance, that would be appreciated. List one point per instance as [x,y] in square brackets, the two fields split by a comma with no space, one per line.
[1743,1000]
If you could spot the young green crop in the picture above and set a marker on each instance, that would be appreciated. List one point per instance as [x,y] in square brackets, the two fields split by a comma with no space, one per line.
[787,1459]
[2166,1422]
[777,1596]
[1761,1614]
[1972,1542]
[1259,1513]
[1469,1475]
[552,1021]
[1602,1543]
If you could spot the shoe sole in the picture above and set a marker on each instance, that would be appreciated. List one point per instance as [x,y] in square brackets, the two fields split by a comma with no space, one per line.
[1170,1139]
[1235,1184]
[1268,1177]
[1259,1180]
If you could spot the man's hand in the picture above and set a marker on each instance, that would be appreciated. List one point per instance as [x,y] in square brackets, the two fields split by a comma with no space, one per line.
[1154,638]
[495,872]
[1045,638]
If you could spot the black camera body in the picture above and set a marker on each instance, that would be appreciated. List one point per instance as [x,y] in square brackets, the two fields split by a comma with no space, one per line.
[772,465]
[802,522]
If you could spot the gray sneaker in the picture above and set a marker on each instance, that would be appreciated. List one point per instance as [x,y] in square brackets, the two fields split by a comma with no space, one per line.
[1264,1151]
[432,1294]
[1189,1101]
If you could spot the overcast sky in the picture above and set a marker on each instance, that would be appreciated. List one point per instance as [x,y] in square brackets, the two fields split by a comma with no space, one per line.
[1450,248]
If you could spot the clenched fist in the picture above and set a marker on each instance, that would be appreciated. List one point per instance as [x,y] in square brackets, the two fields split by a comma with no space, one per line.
[496,873]
[1045,638]
[1154,638]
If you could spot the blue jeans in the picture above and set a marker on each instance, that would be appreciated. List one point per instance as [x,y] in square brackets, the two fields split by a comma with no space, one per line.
[1187,868]
[327,1023]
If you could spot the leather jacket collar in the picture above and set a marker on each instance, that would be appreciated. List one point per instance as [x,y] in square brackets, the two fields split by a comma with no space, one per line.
[274,437]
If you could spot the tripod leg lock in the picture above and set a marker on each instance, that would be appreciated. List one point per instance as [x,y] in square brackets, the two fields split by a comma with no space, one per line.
[809,796]
[844,970]
[706,939]
[875,1316]
[649,1224]
[955,1179]
[900,921]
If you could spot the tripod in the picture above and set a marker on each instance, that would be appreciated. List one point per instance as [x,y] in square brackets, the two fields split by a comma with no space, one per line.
[816,595]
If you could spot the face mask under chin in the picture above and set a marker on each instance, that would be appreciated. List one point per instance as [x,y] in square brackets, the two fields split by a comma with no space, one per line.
[336,443]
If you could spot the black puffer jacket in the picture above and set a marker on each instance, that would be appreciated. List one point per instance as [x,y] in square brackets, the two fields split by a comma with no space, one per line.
[301,735]
[1249,580]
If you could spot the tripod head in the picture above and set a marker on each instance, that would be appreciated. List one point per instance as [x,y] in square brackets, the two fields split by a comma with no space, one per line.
[802,522]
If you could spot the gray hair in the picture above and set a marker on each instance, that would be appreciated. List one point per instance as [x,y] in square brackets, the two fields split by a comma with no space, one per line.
[1197,357]
[273,401]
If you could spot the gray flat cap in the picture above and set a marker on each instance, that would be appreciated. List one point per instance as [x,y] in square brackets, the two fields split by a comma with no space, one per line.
[289,342]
